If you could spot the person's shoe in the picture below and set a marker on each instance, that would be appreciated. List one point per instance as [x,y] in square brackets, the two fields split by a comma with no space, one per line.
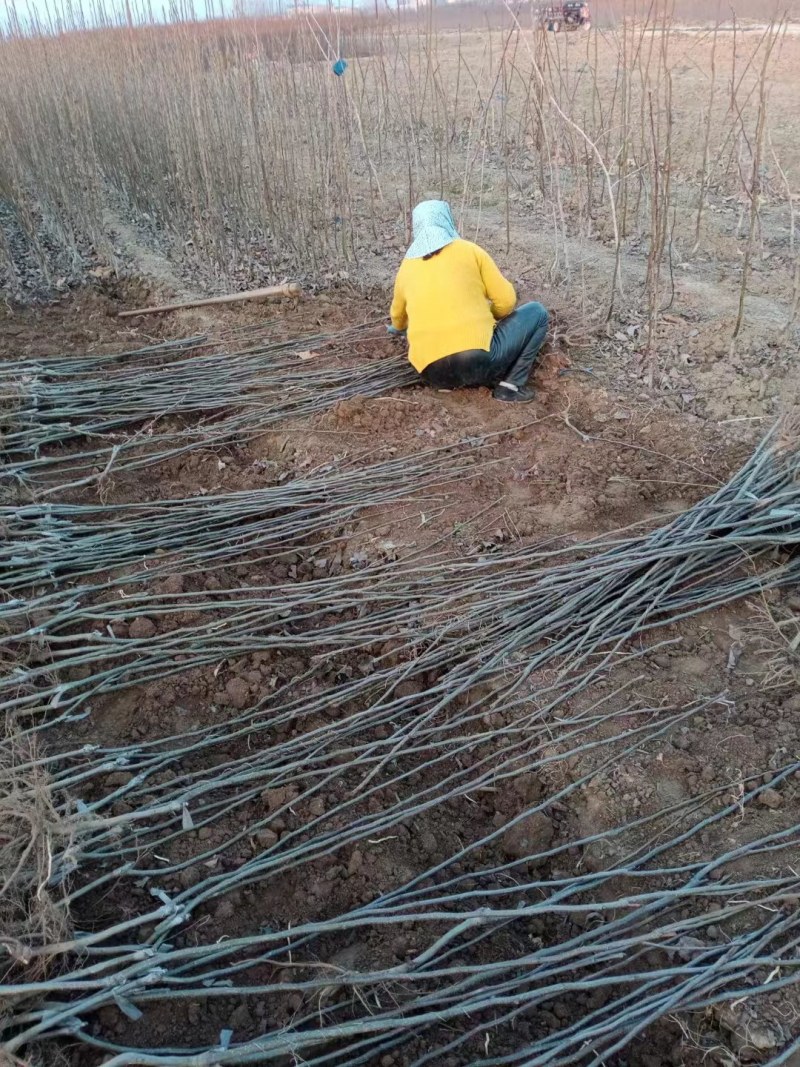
[513,394]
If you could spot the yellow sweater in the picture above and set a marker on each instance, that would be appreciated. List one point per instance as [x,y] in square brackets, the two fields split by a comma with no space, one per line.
[449,303]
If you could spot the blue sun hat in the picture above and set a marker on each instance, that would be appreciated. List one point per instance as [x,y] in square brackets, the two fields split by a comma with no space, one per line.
[433,227]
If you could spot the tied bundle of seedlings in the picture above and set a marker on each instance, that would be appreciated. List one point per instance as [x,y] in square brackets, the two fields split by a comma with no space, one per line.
[139,410]
[130,557]
[51,544]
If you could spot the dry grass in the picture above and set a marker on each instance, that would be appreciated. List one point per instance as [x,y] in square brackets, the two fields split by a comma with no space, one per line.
[233,147]
[32,831]
[774,636]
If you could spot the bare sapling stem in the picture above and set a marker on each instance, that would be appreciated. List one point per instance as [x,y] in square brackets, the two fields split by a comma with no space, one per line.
[704,173]
[753,189]
[793,249]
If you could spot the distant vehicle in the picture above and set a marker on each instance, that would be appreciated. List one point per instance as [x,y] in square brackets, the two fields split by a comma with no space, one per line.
[571,15]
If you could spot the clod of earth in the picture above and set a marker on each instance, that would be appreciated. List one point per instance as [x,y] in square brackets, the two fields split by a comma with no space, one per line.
[529,837]
[142,628]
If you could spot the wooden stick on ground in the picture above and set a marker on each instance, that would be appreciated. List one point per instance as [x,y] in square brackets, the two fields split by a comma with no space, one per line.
[291,289]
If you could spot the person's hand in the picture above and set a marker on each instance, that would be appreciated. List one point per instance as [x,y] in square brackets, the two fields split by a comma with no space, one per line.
[394,332]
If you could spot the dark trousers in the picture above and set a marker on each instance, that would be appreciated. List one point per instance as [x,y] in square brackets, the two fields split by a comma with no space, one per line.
[515,345]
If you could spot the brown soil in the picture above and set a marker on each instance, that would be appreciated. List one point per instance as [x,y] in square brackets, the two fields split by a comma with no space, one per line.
[584,459]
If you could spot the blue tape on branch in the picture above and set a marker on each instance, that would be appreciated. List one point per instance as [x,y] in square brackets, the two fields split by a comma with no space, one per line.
[339,67]
[126,1007]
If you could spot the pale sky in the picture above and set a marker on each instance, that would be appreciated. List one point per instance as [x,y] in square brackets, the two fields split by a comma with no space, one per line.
[52,12]
[92,12]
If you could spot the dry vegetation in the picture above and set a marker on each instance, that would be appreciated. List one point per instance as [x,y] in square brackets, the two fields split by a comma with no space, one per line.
[32,831]
[235,150]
